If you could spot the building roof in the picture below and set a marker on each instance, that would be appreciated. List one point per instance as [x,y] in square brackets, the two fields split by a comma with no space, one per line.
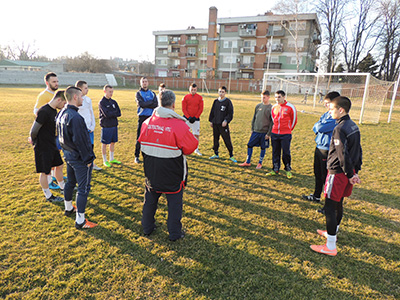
[23,63]
[182,31]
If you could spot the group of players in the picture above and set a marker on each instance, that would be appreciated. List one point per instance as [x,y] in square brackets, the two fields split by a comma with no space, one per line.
[165,138]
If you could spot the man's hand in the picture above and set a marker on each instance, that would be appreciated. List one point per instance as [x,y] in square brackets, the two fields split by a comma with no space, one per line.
[30,140]
[266,137]
[224,123]
[355,179]
[211,124]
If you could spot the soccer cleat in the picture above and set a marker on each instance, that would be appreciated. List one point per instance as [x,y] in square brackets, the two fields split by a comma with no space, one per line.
[107,164]
[245,164]
[198,152]
[53,186]
[68,213]
[323,233]
[114,161]
[53,198]
[96,167]
[289,174]
[85,225]
[259,166]
[311,198]
[321,211]
[272,173]
[323,249]
[137,160]
[214,156]
[233,159]
[53,179]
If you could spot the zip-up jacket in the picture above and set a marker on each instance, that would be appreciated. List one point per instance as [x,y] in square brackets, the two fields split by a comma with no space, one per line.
[146,101]
[109,112]
[323,129]
[345,153]
[221,110]
[192,106]
[285,118]
[165,139]
[73,136]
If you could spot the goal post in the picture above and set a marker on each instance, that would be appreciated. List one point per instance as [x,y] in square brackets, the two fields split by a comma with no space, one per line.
[307,90]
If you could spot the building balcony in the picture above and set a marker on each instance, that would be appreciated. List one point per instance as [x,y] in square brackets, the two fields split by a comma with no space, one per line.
[171,42]
[248,66]
[192,42]
[248,50]
[247,32]
[191,55]
[276,32]
[276,48]
[173,67]
[173,54]
[272,66]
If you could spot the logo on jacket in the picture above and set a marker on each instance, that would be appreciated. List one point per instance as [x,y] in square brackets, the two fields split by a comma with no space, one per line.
[336,141]
[223,108]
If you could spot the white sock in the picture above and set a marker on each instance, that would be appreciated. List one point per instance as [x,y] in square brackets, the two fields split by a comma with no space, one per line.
[337,229]
[49,179]
[111,155]
[47,193]
[61,184]
[104,157]
[80,217]
[68,205]
[331,242]
[52,173]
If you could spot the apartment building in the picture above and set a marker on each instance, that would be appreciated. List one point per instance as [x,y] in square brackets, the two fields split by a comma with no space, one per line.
[240,47]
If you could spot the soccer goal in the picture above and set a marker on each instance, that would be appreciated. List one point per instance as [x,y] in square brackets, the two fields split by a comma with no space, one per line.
[307,91]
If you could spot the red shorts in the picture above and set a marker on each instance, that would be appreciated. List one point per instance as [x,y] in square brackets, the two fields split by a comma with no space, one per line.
[337,186]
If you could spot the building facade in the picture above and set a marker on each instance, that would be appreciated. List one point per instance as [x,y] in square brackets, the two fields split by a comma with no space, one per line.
[242,48]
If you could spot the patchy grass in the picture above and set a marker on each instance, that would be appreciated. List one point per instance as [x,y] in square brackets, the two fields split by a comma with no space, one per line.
[248,236]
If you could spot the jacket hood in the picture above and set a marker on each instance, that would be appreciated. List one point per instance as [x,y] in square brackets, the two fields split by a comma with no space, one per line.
[163,112]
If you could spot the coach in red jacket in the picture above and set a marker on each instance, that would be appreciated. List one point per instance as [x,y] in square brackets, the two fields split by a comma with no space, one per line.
[165,139]
[284,115]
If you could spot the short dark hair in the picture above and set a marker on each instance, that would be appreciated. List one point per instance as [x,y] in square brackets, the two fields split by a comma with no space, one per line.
[107,86]
[223,88]
[193,85]
[280,92]
[162,85]
[265,92]
[48,75]
[167,98]
[80,83]
[332,95]
[71,91]
[59,94]
[342,102]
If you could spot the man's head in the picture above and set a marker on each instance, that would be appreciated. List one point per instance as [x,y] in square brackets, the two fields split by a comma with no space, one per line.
[74,95]
[144,83]
[222,92]
[280,97]
[329,97]
[161,87]
[83,86]
[265,96]
[167,99]
[193,89]
[108,91]
[51,81]
[339,107]
[58,100]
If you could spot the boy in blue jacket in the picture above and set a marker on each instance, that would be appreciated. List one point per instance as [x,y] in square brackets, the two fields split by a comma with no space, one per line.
[323,130]
[109,113]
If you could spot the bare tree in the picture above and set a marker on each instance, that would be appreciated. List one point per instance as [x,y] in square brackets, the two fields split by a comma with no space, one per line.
[293,8]
[21,52]
[390,39]
[363,34]
[331,13]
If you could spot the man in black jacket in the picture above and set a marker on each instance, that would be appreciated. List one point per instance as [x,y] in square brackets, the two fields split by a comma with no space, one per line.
[78,153]
[344,162]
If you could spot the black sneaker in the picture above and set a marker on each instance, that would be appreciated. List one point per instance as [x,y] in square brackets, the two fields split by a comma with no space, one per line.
[321,211]
[311,198]
[181,237]
[53,198]
[148,234]
[68,213]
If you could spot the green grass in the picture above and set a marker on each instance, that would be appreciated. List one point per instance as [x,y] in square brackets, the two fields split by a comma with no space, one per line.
[248,236]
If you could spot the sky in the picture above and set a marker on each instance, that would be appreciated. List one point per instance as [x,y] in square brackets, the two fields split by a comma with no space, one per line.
[107,29]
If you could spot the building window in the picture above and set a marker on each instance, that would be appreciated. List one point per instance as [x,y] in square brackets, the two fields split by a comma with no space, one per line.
[245,75]
[191,51]
[162,38]
[276,27]
[300,26]
[204,50]
[230,44]
[274,59]
[291,43]
[204,38]
[177,62]
[248,59]
[161,62]
[162,73]
[162,51]
[250,43]
[229,59]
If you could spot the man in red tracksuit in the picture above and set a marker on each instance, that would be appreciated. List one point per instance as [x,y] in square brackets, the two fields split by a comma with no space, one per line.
[284,115]
[165,141]
[192,108]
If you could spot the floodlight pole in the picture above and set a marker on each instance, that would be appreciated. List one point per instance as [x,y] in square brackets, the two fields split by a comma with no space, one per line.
[364,97]
[396,87]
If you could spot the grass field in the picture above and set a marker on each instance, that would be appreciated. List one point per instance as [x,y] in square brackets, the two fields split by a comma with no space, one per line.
[248,236]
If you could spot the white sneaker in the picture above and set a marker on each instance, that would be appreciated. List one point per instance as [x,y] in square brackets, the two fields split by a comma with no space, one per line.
[197,152]
[97,168]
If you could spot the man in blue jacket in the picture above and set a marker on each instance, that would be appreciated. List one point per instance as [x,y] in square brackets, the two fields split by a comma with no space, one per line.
[323,130]
[78,153]
[146,101]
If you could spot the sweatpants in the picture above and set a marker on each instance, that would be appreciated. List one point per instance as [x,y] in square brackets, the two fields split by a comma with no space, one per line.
[218,131]
[320,170]
[281,143]
[141,119]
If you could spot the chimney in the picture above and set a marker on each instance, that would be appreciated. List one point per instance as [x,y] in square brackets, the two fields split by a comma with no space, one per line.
[212,42]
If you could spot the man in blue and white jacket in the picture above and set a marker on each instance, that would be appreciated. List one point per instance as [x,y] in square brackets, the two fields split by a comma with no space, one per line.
[323,130]
[146,101]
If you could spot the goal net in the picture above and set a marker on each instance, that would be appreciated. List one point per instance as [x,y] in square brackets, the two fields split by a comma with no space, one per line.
[307,91]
